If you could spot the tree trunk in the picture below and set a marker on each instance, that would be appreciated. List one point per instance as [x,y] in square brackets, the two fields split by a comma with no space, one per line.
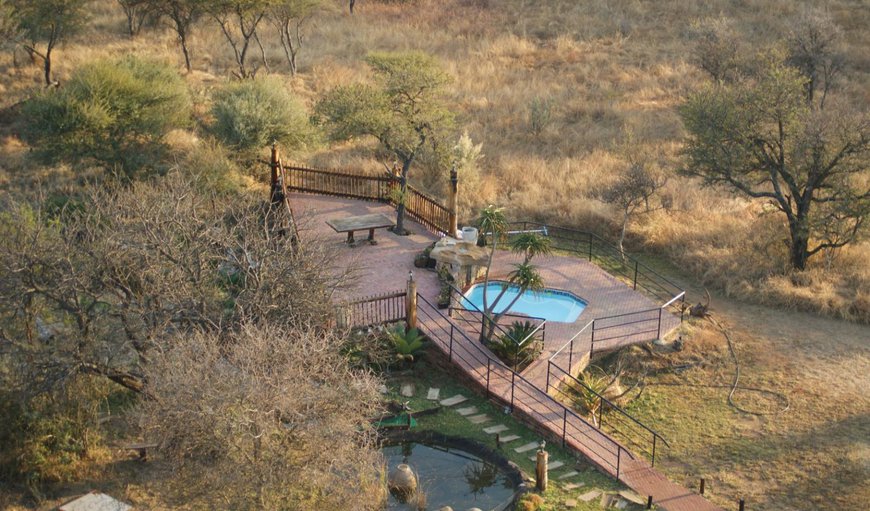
[183,38]
[47,66]
[352,2]
[622,234]
[800,244]
[400,208]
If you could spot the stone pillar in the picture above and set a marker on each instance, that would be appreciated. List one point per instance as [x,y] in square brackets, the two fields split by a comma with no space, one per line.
[411,302]
[452,206]
[541,470]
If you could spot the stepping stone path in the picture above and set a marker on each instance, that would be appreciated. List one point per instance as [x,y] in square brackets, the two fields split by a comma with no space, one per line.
[570,503]
[509,438]
[632,497]
[528,447]
[455,400]
[408,389]
[572,486]
[433,394]
[568,475]
[479,419]
[554,465]
[495,429]
[471,410]
[588,496]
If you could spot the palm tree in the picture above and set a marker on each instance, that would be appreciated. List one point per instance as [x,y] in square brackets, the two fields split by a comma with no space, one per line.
[525,276]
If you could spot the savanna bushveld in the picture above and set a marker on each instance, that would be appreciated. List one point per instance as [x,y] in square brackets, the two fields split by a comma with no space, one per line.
[149,290]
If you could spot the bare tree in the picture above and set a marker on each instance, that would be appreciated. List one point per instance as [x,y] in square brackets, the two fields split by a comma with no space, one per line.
[264,416]
[289,16]
[633,189]
[814,46]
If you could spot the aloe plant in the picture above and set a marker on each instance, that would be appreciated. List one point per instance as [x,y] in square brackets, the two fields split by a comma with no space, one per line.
[408,344]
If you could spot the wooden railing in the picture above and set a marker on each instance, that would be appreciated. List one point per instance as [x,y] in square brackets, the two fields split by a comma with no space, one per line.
[372,310]
[423,208]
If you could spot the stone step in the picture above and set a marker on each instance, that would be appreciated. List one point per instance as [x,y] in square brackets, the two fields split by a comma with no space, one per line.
[471,410]
[528,447]
[572,486]
[478,419]
[509,438]
[495,429]
[433,394]
[568,475]
[554,465]
[455,400]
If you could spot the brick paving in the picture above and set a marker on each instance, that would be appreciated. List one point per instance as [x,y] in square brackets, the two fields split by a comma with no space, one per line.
[384,268]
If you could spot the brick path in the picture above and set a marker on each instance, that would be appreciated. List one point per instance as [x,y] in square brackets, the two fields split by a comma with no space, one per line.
[384,267]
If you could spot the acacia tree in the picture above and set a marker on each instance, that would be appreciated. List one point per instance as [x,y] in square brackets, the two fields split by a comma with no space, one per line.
[763,140]
[136,12]
[404,111]
[289,17]
[814,49]
[46,23]
[717,49]
[238,20]
[182,15]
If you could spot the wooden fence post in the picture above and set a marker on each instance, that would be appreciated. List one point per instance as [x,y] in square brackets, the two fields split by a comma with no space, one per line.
[452,206]
[274,178]
[411,302]
[541,470]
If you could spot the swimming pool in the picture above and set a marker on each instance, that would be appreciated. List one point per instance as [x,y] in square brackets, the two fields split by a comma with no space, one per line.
[550,304]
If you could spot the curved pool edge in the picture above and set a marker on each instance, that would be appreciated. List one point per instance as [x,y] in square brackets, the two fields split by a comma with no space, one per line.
[490,455]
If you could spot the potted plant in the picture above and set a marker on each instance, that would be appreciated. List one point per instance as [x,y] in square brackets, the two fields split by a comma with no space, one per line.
[444,296]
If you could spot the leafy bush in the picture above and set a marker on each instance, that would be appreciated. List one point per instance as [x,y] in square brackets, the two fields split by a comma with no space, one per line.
[112,112]
[211,168]
[253,114]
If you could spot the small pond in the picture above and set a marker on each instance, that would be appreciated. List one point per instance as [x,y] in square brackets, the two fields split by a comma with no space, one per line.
[451,477]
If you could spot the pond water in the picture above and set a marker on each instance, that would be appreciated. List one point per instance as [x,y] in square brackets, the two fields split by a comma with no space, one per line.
[550,304]
[450,477]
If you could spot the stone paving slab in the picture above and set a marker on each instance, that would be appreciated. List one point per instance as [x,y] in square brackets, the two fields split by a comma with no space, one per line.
[408,389]
[479,419]
[554,465]
[570,503]
[568,475]
[433,394]
[471,410]
[573,486]
[509,438]
[528,447]
[588,496]
[455,400]
[495,429]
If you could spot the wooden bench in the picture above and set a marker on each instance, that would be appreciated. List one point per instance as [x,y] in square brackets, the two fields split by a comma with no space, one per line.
[361,223]
[141,448]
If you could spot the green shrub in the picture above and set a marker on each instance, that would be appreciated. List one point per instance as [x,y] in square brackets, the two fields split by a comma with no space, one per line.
[211,168]
[113,113]
[252,114]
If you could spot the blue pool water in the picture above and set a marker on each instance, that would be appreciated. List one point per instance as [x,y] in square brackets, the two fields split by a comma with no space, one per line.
[549,304]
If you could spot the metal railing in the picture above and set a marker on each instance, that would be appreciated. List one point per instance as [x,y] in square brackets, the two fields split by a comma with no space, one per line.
[620,423]
[372,310]
[506,386]
[592,247]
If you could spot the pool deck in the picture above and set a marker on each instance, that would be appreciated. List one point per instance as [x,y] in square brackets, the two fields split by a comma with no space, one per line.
[384,267]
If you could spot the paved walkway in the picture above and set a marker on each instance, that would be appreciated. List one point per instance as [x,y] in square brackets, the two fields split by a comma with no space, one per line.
[384,268]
